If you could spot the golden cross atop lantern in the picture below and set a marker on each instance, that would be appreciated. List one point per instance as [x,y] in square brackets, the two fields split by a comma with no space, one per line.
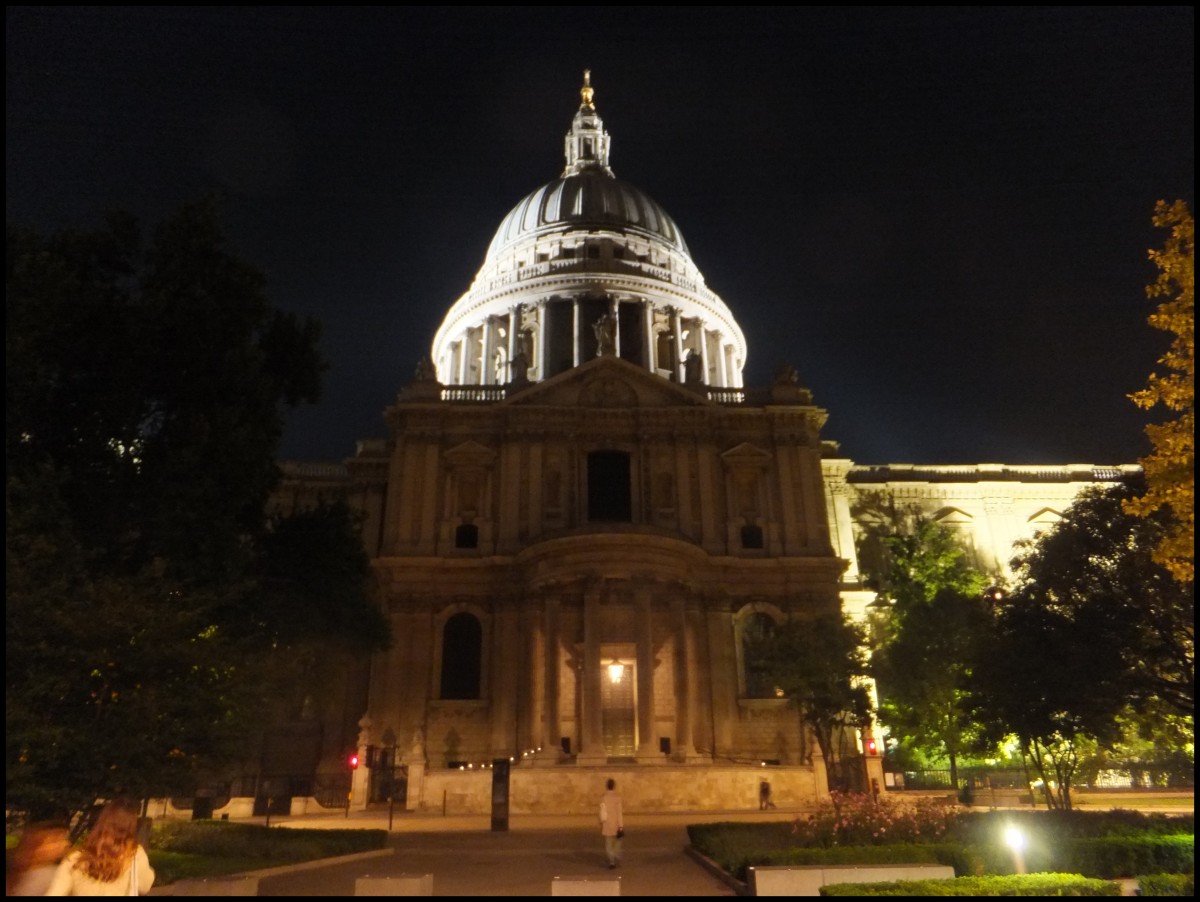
[586,91]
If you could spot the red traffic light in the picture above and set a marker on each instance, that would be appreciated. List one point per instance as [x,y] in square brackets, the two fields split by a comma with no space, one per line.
[872,749]
[352,761]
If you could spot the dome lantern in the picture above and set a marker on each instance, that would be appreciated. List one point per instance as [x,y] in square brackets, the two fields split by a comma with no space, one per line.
[587,142]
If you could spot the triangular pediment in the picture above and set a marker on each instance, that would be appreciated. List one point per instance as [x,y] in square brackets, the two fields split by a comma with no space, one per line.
[948,516]
[1047,516]
[746,455]
[606,382]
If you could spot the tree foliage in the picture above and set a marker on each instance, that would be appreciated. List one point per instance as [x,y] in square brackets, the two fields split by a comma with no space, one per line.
[1097,568]
[1170,468]
[924,630]
[924,675]
[908,559]
[924,561]
[1093,630]
[820,666]
[146,383]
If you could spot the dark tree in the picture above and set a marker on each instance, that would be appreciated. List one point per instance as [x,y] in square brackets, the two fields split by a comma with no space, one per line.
[146,384]
[1093,631]
[1097,568]
[819,664]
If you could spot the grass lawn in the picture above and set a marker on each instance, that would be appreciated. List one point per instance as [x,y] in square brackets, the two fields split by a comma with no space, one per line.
[197,849]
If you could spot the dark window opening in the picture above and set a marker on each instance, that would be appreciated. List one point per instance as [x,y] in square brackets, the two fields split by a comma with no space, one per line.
[593,252]
[756,628]
[559,327]
[466,536]
[752,537]
[631,326]
[565,742]
[462,656]
[609,496]
[568,253]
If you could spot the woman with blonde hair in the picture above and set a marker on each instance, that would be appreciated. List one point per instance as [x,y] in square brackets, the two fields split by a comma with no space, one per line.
[110,862]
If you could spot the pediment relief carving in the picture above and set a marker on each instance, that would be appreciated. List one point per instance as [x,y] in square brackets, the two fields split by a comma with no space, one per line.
[608,382]
[606,391]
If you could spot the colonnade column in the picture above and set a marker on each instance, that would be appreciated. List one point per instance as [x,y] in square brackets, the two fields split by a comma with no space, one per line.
[684,687]
[514,326]
[648,343]
[486,335]
[531,723]
[551,727]
[703,350]
[724,361]
[677,331]
[614,308]
[647,740]
[575,331]
[543,340]
[591,738]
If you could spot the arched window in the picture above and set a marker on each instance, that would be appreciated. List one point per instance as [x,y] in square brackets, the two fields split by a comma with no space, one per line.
[466,535]
[756,627]
[462,656]
[752,536]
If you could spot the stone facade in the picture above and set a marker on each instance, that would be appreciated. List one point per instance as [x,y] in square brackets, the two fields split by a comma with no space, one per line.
[578,507]
[595,519]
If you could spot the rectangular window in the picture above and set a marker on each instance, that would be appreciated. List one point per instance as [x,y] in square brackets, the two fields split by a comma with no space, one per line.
[609,494]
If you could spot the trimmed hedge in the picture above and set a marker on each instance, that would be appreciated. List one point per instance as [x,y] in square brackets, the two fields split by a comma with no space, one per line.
[901,853]
[1011,885]
[1167,885]
[221,839]
[1122,856]
[982,826]
[182,849]
[736,847]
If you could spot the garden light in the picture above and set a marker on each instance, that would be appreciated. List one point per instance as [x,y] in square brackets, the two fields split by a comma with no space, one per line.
[1015,840]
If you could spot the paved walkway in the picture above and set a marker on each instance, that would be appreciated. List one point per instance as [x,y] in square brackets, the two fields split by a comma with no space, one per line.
[467,858]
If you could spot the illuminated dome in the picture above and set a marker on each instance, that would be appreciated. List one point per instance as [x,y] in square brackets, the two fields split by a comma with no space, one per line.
[586,200]
[585,265]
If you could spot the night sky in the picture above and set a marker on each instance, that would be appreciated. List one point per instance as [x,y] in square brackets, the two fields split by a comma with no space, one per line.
[939,216]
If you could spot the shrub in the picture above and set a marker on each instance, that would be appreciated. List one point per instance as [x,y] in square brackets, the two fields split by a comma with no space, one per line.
[1014,885]
[1044,826]
[1123,856]
[857,819]
[1094,844]
[1167,885]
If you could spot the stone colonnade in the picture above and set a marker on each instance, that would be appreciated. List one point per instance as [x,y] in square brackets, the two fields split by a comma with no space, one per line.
[488,353]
